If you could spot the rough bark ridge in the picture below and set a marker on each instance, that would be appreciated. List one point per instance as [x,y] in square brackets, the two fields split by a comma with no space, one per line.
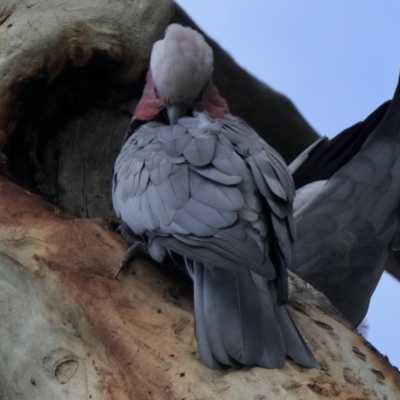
[70,74]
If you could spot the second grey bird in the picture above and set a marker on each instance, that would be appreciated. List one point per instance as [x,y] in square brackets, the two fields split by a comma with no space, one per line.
[197,181]
[346,224]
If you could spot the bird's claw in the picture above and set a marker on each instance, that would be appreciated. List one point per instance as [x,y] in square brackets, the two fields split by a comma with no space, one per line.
[136,249]
[127,234]
[121,266]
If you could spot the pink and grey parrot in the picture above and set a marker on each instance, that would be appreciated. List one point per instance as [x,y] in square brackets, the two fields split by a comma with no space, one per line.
[197,181]
[347,209]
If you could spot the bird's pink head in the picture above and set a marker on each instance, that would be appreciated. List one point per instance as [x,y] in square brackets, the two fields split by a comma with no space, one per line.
[181,67]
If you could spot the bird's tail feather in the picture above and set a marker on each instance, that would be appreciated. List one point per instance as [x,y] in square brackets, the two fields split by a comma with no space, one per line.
[239,323]
[295,346]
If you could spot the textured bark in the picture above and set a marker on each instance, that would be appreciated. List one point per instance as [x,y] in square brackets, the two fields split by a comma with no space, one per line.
[66,72]
[70,75]
[70,330]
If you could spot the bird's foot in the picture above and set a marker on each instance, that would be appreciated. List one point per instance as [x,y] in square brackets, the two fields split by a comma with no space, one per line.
[138,248]
[127,234]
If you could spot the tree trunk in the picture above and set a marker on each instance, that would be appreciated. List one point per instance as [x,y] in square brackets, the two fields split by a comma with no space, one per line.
[70,75]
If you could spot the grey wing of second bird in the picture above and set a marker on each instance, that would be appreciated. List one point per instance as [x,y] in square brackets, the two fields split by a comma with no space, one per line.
[344,232]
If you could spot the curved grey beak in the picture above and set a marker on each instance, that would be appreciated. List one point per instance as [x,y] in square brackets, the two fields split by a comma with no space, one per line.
[175,112]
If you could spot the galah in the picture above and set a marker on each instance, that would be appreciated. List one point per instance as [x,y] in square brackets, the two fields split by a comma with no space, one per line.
[347,214]
[197,181]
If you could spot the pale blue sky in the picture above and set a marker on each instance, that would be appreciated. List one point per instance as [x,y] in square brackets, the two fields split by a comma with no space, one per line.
[337,60]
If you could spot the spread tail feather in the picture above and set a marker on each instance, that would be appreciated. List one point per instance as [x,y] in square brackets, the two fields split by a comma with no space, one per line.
[238,321]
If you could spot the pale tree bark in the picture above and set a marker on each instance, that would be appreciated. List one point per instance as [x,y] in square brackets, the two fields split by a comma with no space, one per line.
[70,74]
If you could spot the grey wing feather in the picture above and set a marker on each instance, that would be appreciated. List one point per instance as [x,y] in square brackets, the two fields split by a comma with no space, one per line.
[284,177]
[153,161]
[211,216]
[299,160]
[200,150]
[175,189]
[217,176]
[162,210]
[175,148]
[167,133]
[161,172]
[305,194]
[275,183]
[228,161]
[277,207]
[226,198]
[193,225]
[143,181]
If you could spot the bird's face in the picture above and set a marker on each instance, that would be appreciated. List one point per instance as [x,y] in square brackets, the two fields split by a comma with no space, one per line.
[181,66]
